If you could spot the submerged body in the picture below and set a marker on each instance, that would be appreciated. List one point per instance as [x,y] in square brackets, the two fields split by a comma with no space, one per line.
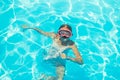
[55,50]
[54,58]
[53,54]
[56,55]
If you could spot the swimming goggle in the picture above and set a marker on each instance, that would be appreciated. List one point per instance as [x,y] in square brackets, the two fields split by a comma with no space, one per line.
[65,33]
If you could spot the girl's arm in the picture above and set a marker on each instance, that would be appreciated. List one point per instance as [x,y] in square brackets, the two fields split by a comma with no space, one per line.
[78,57]
[49,34]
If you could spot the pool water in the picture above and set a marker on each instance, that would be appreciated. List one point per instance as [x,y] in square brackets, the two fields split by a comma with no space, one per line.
[96,32]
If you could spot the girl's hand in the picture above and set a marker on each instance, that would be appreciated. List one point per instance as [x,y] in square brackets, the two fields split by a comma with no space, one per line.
[25,26]
[79,60]
[63,56]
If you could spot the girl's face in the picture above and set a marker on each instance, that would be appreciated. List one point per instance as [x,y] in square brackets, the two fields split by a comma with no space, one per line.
[65,32]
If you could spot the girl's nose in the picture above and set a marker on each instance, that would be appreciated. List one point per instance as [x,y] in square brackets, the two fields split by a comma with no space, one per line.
[63,34]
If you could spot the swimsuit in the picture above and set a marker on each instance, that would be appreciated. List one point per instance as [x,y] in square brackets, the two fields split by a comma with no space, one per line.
[53,55]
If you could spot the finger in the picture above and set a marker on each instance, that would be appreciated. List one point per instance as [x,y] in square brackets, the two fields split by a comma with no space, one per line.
[24,26]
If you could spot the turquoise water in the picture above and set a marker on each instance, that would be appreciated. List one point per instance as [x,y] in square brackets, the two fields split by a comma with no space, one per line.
[96,32]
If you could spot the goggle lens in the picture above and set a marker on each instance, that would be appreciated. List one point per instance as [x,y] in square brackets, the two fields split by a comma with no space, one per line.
[65,33]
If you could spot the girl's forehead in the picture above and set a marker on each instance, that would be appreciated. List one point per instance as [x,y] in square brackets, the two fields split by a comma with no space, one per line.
[64,28]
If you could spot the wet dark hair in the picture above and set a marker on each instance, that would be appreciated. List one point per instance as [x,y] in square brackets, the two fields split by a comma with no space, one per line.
[66,25]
